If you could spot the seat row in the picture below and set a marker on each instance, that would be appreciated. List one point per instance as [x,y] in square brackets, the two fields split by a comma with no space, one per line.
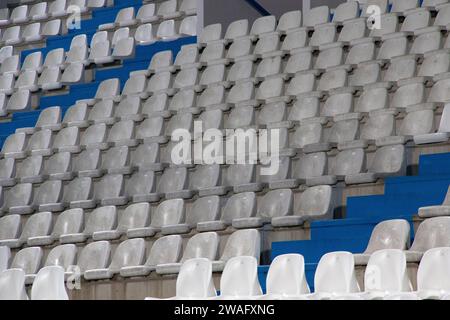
[169,217]
[131,258]
[17,35]
[152,13]
[45,10]
[334,279]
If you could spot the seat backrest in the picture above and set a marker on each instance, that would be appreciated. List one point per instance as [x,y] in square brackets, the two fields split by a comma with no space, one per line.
[63,255]
[240,277]
[316,201]
[204,209]
[195,279]
[240,205]
[78,189]
[101,219]
[136,215]
[433,272]
[28,259]
[276,203]
[12,282]
[335,273]
[38,224]
[165,250]
[130,252]
[95,255]
[242,243]
[202,245]
[168,212]
[286,276]
[432,233]
[10,227]
[173,179]
[386,272]
[69,222]
[49,284]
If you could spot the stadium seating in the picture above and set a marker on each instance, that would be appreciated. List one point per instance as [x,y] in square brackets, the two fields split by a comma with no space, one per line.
[90,180]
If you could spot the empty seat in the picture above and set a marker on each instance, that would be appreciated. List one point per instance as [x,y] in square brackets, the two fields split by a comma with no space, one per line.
[240,243]
[7,172]
[173,180]
[49,284]
[30,170]
[335,276]
[195,280]
[19,101]
[101,219]
[435,137]
[95,255]
[14,146]
[18,199]
[50,79]
[286,277]
[10,64]
[12,282]
[68,222]
[37,225]
[202,245]
[431,233]
[110,190]
[29,260]
[79,193]
[164,250]
[11,36]
[240,278]
[10,229]
[389,234]
[94,137]
[129,253]
[49,195]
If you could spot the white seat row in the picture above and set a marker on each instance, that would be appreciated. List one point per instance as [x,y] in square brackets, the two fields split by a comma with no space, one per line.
[129,259]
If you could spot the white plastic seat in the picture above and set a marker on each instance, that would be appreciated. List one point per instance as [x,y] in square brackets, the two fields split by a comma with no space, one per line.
[129,253]
[164,250]
[58,166]
[167,30]
[147,14]
[188,26]
[32,61]
[202,245]
[11,36]
[10,230]
[32,33]
[29,260]
[100,51]
[18,199]
[76,116]
[57,9]
[10,64]
[110,190]
[73,73]
[40,143]
[95,255]
[240,243]
[389,234]
[49,284]
[68,222]
[286,278]
[335,276]
[431,233]
[5,52]
[194,280]
[78,193]
[124,17]
[106,90]
[94,137]
[30,170]
[240,279]
[210,33]
[50,79]
[54,58]
[7,172]
[144,35]
[14,146]
[12,283]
